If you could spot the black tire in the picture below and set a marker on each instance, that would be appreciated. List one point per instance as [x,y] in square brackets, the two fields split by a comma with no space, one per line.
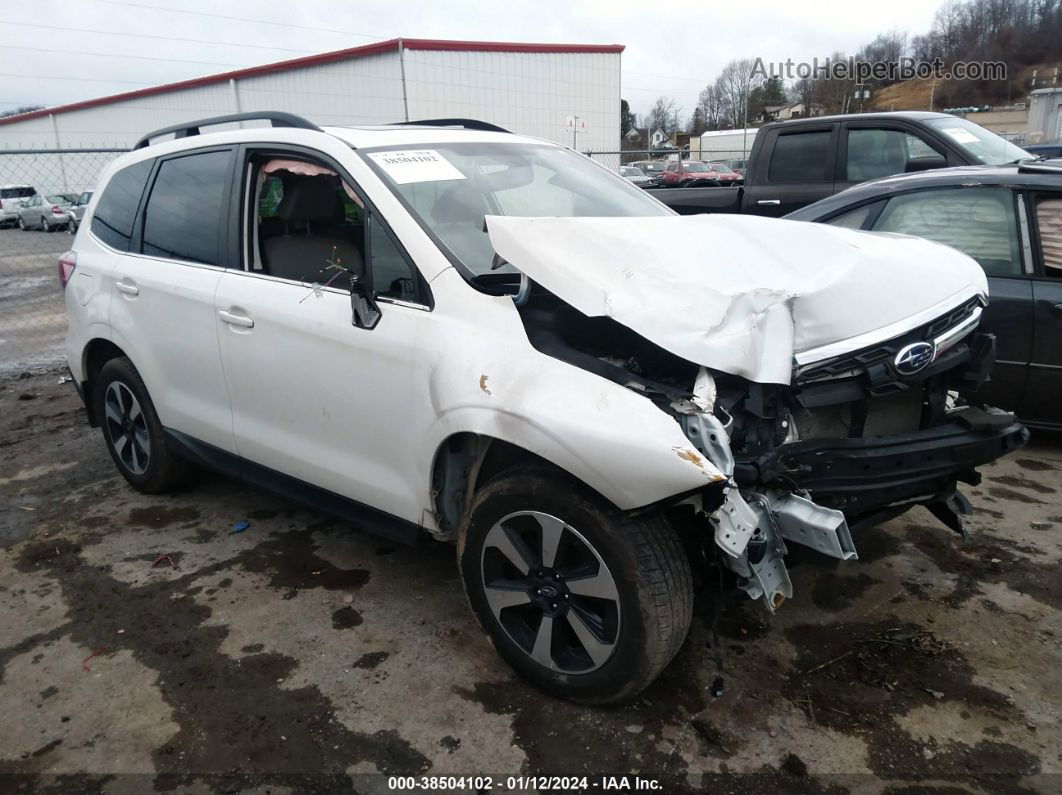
[21,224]
[162,471]
[644,558]
[45,226]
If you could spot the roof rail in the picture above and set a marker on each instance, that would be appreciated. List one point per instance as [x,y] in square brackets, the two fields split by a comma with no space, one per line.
[190,128]
[468,124]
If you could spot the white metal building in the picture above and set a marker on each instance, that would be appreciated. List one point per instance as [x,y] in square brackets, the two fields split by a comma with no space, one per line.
[527,88]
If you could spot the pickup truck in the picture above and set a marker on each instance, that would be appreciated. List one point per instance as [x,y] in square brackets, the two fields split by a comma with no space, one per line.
[795,163]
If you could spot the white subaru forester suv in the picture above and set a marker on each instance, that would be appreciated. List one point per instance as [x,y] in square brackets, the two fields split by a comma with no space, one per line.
[443,328]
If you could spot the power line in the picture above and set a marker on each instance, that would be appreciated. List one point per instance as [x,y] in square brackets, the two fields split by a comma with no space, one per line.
[244,19]
[115,55]
[161,38]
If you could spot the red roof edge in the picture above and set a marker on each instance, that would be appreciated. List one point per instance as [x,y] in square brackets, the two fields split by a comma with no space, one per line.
[321,58]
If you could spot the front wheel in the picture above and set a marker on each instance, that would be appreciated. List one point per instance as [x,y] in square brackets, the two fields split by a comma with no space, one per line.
[46,226]
[21,224]
[585,601]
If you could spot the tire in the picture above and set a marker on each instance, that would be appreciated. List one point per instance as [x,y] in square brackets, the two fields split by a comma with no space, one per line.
[604,649]
[45,226]
[71,227]
[21,224]
[132,431]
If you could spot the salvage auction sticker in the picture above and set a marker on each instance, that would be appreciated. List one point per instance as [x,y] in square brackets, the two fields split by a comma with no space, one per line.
[416,165]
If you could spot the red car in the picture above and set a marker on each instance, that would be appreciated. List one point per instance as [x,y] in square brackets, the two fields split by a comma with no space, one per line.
[685,171]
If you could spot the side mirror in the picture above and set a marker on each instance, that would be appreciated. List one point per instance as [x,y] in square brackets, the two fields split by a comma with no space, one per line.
[924,164]
[365,313]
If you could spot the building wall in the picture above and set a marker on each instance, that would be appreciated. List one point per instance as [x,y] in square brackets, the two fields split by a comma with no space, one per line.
[1045,115]
[530,93]
[1008,122]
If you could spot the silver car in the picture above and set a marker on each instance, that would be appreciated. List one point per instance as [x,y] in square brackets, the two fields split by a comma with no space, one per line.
[45,212]
[634,175]
[11,199]
[76,211]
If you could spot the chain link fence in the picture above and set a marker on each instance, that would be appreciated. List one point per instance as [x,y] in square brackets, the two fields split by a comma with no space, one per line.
[640,158]
[32,315]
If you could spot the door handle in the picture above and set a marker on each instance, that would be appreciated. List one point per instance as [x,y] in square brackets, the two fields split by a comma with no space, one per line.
[127,287]
[1057,310]
[769,202]
[236,320]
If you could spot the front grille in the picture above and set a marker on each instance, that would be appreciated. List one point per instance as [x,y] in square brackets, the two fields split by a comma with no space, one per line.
[879,357]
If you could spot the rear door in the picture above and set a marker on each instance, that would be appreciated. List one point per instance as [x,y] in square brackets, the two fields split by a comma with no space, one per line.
[793,168]
[1043,396]
[162,312]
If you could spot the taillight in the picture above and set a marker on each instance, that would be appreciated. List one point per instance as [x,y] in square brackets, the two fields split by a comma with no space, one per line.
[67,263]
[55,209]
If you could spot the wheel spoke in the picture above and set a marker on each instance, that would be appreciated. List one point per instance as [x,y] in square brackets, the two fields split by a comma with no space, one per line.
[541,652]
[510,545]
[597,650]
[141,437]
[113,414]
[134,454]
[600,585]
[500,598]
[552,530]
[120,444]
[134,411]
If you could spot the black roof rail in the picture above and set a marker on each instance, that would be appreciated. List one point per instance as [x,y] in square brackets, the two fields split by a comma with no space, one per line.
[468,124]
[190,128]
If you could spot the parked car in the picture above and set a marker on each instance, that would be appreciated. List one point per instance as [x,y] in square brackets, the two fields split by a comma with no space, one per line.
[11,199]
[654,169]
[1048,150]
[635,176]
[45,212]
[683,172]
[383,322]
[738,166]
[1009,219]
[797,162]
[723,173]
[76,211]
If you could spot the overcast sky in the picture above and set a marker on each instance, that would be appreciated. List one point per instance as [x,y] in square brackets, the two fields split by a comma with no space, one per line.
[62,51]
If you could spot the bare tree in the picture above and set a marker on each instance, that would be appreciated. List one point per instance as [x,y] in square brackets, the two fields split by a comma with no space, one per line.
[733,86]
[21,109]
[664,115]
[711,107]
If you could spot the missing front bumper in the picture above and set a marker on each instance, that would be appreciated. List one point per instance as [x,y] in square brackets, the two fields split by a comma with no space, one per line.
[860,476]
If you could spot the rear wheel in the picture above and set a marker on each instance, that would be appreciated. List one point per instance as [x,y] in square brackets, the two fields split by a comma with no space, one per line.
[585,601]
[46,226]
[132,431]
[21,224]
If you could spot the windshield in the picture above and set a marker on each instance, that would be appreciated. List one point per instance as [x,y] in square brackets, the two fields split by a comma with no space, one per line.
[450,187]
[57,198]
[984,146]
[695,168]
[628,171]
[722,168]
[16,193]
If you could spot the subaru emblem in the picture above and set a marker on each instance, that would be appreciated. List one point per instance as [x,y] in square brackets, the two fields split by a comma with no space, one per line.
[914,357]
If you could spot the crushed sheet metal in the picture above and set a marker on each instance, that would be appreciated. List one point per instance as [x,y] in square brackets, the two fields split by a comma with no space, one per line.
[748,293]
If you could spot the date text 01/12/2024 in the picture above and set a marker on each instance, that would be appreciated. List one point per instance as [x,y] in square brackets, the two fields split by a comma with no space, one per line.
[522,783]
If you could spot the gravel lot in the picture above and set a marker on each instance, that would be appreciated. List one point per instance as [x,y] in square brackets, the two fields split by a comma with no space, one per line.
[301,652]
[32,316]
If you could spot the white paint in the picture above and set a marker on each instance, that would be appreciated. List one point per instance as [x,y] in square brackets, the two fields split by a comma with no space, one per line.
[740,294]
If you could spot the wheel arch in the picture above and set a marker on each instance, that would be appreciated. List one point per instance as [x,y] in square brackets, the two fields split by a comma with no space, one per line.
[96,354]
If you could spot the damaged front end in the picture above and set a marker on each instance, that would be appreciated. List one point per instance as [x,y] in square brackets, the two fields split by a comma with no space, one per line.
[851,441]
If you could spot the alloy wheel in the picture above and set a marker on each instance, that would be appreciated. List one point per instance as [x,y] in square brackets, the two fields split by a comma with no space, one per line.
[551,592]
[127,428]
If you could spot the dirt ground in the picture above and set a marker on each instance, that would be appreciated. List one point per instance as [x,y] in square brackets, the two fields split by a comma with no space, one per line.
[145,645]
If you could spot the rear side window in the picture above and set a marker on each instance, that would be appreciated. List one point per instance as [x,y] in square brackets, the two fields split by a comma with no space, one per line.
[800,157]
[17,193]
[1049,219]
[185,210]
[116,210]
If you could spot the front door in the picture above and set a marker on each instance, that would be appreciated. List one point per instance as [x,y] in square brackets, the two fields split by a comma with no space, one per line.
[314,396]
[1043,396]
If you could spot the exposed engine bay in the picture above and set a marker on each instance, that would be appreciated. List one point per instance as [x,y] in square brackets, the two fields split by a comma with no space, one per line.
[851,441]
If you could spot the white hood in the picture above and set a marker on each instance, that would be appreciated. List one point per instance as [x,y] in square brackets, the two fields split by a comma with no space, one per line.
[739,294]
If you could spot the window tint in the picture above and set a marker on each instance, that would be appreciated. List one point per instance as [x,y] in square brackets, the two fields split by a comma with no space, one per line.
[1049,221]
[16,193]
[185,211]
[875,153]
[391,274]
[112,222]
[976,221]
[800,157]
[854,219]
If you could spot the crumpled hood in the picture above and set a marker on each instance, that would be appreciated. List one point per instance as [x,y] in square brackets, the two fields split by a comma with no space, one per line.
[740,294]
